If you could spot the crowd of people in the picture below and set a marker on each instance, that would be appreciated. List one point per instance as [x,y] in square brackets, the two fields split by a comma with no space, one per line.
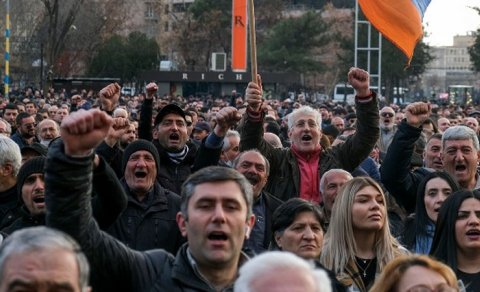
[148,193]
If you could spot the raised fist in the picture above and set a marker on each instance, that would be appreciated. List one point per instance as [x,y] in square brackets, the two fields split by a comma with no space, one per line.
[82,131]
[226,118]
[254,93]
[360,81]
[416,113]
[109,96]
[151,90]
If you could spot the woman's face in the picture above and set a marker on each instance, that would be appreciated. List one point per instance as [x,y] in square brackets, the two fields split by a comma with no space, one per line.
[467,226]
[368,210]
[436,191]
[418,278]
[304,237]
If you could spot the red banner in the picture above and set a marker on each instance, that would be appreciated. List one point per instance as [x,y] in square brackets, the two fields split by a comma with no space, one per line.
[239,35]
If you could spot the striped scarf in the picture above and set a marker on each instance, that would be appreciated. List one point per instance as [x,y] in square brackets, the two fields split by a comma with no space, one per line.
[178,157]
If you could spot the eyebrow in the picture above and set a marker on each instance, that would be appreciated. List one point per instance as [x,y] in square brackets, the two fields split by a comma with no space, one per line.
[18,283]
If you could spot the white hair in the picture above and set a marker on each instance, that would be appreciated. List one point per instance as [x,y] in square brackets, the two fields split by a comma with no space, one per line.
[302,111]
[270,263]
[120,112]
[10,153]
[332,171]
[226,140]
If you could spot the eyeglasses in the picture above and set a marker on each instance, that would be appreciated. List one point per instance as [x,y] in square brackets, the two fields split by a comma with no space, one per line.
[387,115]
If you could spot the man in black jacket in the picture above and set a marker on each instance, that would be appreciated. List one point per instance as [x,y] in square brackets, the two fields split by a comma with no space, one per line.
[31,192]
[216,216]
[148,222]
[176,152]
[255,167]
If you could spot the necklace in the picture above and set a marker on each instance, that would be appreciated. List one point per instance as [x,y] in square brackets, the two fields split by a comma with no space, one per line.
[367,262]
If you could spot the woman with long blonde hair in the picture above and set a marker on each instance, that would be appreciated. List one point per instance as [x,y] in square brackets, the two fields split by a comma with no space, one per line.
[358,244]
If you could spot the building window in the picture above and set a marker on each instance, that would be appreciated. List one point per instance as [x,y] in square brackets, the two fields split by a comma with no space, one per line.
[149,10]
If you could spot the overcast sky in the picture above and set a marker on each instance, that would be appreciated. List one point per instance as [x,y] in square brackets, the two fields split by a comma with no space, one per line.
[447,18]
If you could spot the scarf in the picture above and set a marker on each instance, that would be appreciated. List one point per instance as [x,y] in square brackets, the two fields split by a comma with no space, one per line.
[178,157]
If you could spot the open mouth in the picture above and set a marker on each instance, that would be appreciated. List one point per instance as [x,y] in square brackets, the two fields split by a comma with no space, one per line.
[140,174]
[473,232]
[436,209]
[39,200]
[174,137]
[252,178]
[460,168]
[306,138]
[217,236]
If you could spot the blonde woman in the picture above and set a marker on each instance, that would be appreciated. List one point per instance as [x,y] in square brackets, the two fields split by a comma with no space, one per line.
[358,244]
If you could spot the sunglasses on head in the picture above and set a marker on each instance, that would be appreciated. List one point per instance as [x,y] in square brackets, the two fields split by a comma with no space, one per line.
[387,115]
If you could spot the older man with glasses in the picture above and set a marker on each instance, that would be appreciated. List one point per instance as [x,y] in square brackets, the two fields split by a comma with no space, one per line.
[387,129]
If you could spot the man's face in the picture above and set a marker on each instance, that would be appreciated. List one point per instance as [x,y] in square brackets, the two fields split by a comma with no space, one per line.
[129,136]
[333,182]
[30,108]
[214,110]
[217,224]
[48,130]
[189,121]
[198,134]
[338,123]
[387,120]
[27,127]
[399,117]
[443,124]
[3,129]
[140,172]
[232,152]
[432,156]
[172,132]
[460,160]
[33,194]
[10,115]
[252,166]
[60,114]
[325,113]
[472,123]
[52,111]
[305,133]
[52,269]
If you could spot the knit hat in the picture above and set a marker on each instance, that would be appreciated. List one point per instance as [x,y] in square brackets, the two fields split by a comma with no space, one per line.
[169,109]
[38,148]
[138,145]
[31,166]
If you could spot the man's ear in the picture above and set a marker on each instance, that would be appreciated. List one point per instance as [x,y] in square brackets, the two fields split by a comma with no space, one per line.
[182,224]
[249,226]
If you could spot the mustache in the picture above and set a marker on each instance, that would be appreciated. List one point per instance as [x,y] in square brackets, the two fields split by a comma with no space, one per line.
[252,177]
[39,192]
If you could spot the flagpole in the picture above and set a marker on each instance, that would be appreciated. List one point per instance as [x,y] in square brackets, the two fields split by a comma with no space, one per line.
[253,46]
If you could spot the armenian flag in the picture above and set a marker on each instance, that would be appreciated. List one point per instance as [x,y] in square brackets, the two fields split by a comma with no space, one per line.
[400,21]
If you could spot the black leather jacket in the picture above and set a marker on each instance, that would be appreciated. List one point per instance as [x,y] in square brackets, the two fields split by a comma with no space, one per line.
[114,266]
